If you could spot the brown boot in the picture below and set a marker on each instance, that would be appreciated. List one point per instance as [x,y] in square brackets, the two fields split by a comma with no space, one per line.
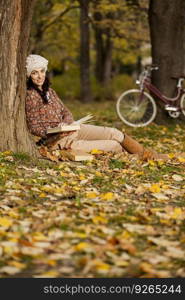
[133,147]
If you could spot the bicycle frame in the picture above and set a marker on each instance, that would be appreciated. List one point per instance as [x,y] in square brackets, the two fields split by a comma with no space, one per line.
[157,93]
[146,84]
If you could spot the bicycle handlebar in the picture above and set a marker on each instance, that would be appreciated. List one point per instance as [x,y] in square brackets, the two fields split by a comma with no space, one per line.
[151,67]
[146,73]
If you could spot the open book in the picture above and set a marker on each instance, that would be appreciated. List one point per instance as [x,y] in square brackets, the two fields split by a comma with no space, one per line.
[74,126]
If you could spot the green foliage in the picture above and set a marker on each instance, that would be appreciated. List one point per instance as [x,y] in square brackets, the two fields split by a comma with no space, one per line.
[55,35]
[68,86]
[121,83]
[53,23]
[21,156]
[116,164]
[98,180]
[100,91]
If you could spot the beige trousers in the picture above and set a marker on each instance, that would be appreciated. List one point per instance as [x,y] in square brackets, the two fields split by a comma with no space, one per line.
[91,137]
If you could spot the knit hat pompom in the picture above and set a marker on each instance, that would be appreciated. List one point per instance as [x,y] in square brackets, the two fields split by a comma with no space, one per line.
[34,62]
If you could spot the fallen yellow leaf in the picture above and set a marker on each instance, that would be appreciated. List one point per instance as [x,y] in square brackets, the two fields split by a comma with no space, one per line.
[5,222]
[101,266]
[177,213]
[39,236]
[82,246]
[96,151]
[155,188]
[63,174]
[51,262]
[121,263]
[42,195]
[17,264]
[181,159]
[151,163]
[91,195]
[171,155]
[107,196]
[7,153]
[13,214]
[98,173]
[160,162]
[80,235]
[99,220]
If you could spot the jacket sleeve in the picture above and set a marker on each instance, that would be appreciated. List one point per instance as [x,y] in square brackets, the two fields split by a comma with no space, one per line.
[67,116]
[32,117]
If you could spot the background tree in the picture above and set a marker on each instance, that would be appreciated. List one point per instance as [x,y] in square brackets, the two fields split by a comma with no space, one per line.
[122,28]
[167,29]
[50,16]
[103,43]
[86,95]
[15,19]
[117,26]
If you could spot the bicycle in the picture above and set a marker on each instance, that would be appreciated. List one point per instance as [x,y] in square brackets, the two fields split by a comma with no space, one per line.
[137,108]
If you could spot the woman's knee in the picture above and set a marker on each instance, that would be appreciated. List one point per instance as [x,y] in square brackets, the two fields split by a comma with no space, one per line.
[117,135]
[115,147]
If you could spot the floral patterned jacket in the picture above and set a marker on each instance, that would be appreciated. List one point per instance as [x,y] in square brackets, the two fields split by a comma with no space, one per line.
[40,115]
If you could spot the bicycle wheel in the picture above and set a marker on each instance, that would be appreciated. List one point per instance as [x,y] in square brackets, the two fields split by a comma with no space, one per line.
[182,104]
[136,110]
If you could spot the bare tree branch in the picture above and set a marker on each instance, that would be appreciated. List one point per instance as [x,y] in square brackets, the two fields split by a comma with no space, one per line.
[59,16]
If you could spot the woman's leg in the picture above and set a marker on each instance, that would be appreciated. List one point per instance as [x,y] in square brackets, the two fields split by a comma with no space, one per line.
[98,137]
[104,145]
[93,132]
[107,138]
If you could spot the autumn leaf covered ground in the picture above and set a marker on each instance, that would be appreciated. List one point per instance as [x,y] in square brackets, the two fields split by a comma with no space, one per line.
[113,217]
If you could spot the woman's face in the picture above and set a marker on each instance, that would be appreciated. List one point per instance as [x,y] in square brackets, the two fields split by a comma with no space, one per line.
[38,77]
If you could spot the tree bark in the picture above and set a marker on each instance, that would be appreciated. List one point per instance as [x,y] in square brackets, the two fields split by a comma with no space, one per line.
[86,95]
[167,30]
[104,47]
[108,59]
[15,19]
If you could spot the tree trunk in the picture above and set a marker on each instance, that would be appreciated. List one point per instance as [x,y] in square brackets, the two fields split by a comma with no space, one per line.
[104,47]
[108,59]
[167,30]
[15,19]
[99,54]
[86,95]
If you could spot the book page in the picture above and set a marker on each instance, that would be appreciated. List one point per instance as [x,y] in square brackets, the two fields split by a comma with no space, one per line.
[84,119]
[63,128]
[73,126]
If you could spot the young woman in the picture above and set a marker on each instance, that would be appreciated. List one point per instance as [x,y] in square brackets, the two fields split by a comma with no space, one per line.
[44,109]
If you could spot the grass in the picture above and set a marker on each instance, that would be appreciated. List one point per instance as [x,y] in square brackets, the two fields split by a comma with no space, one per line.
[105,218]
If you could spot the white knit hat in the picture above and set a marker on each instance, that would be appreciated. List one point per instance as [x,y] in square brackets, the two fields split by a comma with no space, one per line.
[35,61]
